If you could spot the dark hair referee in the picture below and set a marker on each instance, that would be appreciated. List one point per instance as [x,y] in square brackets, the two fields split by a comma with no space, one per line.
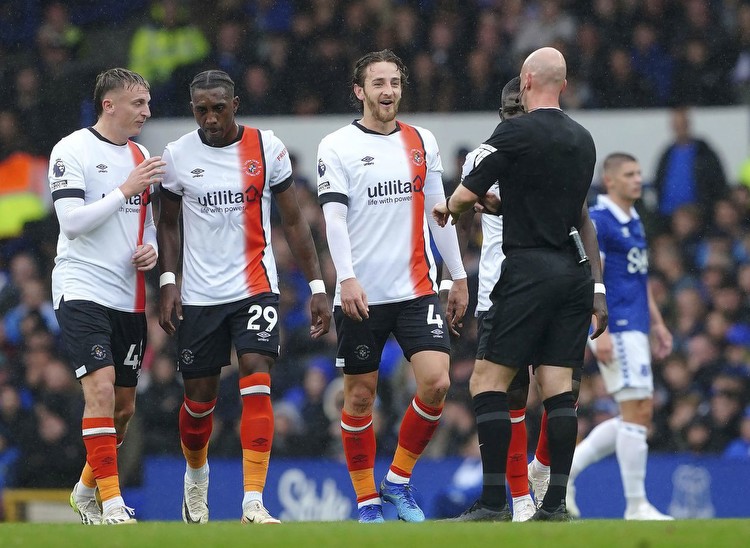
[550,282]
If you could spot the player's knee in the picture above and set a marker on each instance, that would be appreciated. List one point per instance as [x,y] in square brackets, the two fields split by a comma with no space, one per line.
[360,399]
[100,396]
[434,389]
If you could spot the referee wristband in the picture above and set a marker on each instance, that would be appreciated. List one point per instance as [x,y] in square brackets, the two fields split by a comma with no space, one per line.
[167,278]
[447,200]
[317,286]
[446,285]
[599,288]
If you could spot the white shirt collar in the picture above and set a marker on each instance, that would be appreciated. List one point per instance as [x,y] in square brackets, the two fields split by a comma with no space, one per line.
[622,217]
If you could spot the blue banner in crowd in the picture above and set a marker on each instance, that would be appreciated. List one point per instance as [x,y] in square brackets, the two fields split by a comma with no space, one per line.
[320,490]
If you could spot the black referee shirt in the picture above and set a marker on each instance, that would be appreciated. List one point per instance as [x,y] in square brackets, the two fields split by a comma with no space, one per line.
[545,162]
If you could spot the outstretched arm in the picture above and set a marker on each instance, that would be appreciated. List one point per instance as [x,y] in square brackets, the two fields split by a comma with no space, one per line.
[299,238]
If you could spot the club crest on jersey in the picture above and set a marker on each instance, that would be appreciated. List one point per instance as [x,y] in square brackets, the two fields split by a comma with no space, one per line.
[252,167]
[321,167]
[187,356]
[416,156]
[362,352]
[58,169]
[98,352]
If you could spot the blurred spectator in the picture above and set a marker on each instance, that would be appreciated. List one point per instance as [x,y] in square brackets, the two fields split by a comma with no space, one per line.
[698,79]
[35,301]
[18,22]
[652,62]
[480,92]
[689,171]
[256,93]
[169,41]
[22,266]
[230,51]
[739,448]
[53,435]
[544,26]
[56,26]
[621,86]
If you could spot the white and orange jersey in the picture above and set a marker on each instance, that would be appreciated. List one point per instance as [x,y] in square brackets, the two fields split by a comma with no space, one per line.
[96,266]
[383,180]
[226,209]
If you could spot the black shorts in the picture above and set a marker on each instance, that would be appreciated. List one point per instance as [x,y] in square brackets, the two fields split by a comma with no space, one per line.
[207,333]
[96,336]
[541,311]
[417,325]
[522,378]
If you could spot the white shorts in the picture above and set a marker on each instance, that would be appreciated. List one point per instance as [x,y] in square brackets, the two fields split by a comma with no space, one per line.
[628,376]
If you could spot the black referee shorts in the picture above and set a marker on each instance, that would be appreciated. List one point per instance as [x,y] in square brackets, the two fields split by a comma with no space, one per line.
[541,311]
[522,378]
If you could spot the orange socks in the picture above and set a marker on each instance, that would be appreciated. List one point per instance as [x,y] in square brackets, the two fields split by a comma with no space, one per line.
[196,425]
[417,427]
[100,439]
[358,437]
[256,429]
[516,469]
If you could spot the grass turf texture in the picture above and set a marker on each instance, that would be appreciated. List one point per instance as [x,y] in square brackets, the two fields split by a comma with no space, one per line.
[582,534]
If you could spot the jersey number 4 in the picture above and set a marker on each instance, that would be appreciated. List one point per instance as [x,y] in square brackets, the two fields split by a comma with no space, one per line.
[133,358]
[433,318]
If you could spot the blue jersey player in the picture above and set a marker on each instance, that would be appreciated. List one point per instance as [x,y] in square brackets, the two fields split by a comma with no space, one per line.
[624,350]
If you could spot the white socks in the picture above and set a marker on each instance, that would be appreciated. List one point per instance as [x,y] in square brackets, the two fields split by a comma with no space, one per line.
[600,443]
[83,491]
[197,475]
[632,454]
[250,496]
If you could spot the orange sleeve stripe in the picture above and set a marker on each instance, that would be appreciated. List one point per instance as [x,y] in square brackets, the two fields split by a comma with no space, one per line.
[140,279]
[416,157]
[253,168]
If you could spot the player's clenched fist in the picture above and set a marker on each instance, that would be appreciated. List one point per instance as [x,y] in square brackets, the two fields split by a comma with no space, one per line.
[148,172]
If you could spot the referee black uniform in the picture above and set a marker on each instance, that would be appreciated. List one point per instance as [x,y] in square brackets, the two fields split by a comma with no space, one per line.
[542,302]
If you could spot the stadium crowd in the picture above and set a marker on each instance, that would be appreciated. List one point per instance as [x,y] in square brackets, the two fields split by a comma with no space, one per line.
[628,53]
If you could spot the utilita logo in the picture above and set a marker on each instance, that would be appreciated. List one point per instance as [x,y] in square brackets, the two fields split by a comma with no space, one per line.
[391,192]
[227,197]
[392,188]
[138,199]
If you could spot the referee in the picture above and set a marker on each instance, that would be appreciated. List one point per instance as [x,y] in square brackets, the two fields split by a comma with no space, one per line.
[542,304]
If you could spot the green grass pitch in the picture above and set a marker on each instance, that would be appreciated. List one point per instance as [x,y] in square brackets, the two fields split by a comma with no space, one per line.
[582,534]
